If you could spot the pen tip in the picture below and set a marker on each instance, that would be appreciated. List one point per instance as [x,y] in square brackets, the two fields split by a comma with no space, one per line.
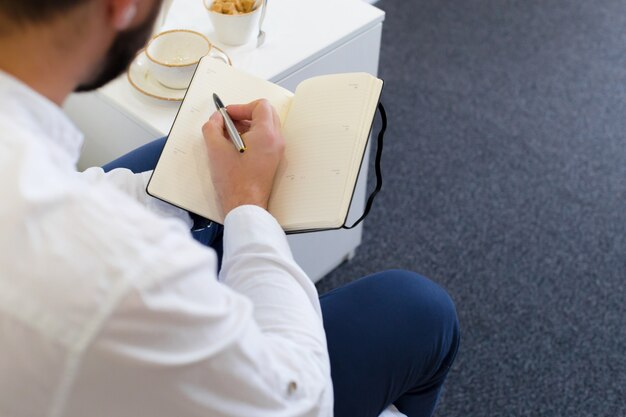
[218,102]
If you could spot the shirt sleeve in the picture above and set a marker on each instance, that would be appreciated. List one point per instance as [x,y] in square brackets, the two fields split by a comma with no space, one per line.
[187,344]
[283,295]
[134,185]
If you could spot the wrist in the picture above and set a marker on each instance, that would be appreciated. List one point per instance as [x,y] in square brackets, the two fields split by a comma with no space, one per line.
[230,207]
[248,197]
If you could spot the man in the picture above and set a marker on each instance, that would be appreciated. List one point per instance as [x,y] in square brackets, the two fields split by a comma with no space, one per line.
[109,308]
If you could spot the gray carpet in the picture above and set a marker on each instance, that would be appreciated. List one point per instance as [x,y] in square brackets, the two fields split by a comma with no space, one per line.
[505,182]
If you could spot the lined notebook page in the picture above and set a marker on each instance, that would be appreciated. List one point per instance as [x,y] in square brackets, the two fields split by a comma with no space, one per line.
[182,176]
[326,132]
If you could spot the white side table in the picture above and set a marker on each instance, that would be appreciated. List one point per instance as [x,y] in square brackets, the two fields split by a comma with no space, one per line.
[303,39]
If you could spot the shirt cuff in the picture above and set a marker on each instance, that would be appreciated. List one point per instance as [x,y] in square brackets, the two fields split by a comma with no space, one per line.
[249,225]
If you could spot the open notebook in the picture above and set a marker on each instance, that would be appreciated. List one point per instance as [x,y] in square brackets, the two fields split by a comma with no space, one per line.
[326,126]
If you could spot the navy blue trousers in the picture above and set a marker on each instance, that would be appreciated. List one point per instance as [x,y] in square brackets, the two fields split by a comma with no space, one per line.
[392,336]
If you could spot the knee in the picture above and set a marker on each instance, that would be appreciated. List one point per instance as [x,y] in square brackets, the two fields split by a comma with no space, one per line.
[420,296]
[426,309]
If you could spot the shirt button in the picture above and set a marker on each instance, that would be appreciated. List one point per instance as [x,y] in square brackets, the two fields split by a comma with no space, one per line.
[292,387]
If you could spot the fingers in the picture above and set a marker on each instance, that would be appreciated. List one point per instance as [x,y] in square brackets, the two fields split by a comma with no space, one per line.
[257,111]
[276,118]
[242,111]
[215,125]
[242,125]
[257,118]
[213,128]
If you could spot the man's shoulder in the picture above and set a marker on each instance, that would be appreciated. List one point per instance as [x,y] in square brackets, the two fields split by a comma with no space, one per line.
[71,248]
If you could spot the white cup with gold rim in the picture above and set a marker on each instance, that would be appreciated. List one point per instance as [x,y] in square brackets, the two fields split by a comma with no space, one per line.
[174,56]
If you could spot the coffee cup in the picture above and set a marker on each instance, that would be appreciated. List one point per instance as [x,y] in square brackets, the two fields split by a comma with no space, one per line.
[234,29]
[174,56]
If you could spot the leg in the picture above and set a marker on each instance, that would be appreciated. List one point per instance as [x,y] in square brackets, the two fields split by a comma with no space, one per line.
[144,159]
[141,159]
[392,338]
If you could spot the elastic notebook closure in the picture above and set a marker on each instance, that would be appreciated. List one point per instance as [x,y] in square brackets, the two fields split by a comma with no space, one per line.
[377,167]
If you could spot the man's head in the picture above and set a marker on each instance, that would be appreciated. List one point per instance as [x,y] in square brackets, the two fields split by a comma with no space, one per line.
[121,52]
[118,28]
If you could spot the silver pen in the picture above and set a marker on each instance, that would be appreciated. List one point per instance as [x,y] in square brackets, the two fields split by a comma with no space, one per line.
[230,126]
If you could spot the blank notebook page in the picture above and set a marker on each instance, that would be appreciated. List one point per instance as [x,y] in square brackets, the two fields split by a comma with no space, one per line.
[326,133]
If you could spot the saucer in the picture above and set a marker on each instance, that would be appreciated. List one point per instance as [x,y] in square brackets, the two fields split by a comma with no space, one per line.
[142,79]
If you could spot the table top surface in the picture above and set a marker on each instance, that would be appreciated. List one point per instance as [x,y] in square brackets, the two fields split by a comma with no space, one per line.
[296,34]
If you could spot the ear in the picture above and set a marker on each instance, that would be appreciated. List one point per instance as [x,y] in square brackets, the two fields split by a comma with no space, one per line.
[122,13]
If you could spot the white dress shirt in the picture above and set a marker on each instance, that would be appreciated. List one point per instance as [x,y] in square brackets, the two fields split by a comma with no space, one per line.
[109,308]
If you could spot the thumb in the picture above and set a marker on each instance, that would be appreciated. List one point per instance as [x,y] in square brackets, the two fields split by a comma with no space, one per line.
[214,127]
[216,117]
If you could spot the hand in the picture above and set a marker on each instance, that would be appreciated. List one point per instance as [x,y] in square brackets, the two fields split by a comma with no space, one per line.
[245,178]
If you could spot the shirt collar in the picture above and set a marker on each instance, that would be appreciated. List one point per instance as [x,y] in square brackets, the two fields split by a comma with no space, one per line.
[22,106]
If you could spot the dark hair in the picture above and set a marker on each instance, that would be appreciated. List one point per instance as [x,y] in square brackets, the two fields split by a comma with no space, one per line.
[32,11]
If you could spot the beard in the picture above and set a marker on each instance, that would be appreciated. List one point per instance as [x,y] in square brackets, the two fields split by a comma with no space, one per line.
[122,52]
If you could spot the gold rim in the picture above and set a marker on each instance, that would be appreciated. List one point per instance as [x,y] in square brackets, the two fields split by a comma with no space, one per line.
[142,91]
[209,44]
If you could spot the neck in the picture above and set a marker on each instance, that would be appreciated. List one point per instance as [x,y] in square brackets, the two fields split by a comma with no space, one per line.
[35,69]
